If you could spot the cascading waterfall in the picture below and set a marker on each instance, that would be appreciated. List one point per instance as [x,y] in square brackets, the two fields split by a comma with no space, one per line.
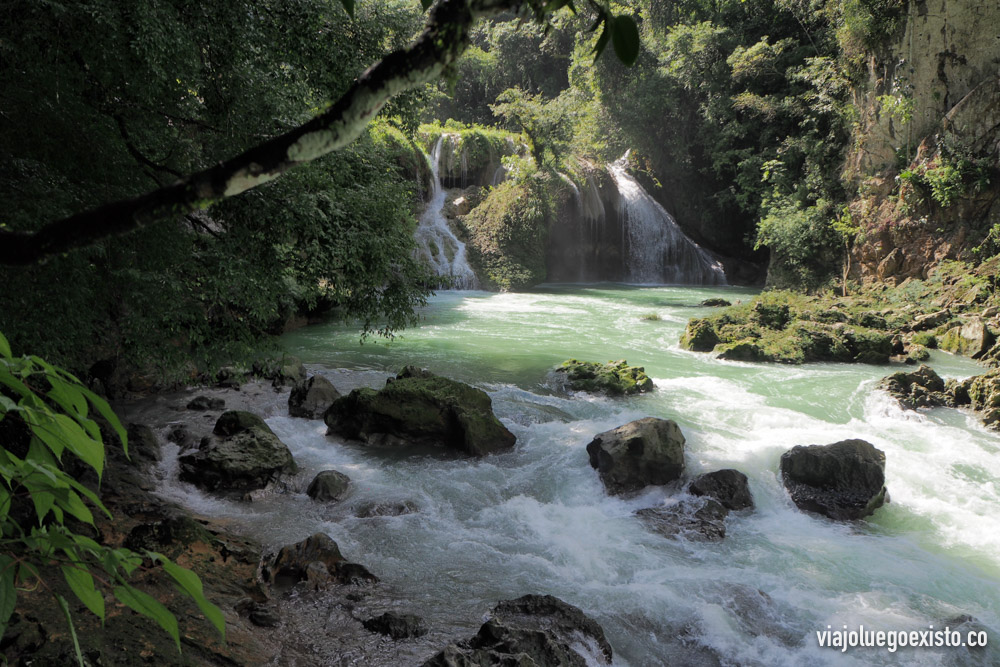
[436,242]
[656,249]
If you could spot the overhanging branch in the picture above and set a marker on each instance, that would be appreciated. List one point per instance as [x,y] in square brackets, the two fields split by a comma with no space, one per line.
[440,44]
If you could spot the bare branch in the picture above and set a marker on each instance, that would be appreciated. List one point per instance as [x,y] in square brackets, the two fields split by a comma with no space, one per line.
[440,44]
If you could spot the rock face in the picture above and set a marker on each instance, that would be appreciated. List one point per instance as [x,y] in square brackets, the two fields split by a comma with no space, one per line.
[316,560]
[329,485]
[630,457]
[843,481]
[615,378]
[729,487]
[421,408]
[397,626]
[701,519]
[310,399]
[534,630]
[242,455]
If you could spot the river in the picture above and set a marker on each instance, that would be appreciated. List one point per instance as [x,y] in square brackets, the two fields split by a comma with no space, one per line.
[537,520]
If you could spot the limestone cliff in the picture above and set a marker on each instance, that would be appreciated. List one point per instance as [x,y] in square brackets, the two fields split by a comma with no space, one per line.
[925,155]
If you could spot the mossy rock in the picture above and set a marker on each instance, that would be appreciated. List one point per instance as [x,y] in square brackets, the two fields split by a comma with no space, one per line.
[868,346]
[744,350]
[615,378]
[418,407]
[715,303]
[772,315]
[700,336]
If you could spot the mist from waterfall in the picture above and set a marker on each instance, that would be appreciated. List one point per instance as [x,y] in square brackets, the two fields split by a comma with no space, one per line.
[436,242]
[656,249]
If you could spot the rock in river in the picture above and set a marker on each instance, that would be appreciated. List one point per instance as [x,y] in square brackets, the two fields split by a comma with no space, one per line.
[536,630]
[615,378]
[418,407]
[729,487]
[329,485]
[630,457]
[311,398]
[843,481]
[242,454]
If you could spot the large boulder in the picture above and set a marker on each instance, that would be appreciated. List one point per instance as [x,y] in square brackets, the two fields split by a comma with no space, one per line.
[418,407]
[844,481]
[243,454]
[729,487]
[972,339]
[615,378]
[533,630]
[318,561]
[311,398]
[630,457]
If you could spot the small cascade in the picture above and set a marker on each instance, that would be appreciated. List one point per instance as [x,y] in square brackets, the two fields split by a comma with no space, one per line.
[436,242]
[655,248]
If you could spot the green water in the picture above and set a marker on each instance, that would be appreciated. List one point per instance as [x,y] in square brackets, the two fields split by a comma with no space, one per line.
[537,519]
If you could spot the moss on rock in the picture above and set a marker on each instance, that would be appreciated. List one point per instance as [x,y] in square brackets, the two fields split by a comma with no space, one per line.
[615,378]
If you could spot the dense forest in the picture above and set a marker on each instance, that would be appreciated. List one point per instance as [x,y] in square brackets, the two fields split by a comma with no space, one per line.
[816,150]
[743,118]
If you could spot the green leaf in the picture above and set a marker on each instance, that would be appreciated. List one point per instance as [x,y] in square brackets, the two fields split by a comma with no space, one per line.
[71,502]
[82,584]
[191,584]
[602,41]
[5,348]
[72,630]
[89,450]
[144,604]
[8,591]
[348,7]
[625,37]
[105,411]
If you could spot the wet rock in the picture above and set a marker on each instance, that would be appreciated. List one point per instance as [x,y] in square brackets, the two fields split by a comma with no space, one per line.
[315,560]
[182,437]
[242,455]
[329,485]
[844,481]
[715,302]
[397,626]
[536,630]
[922,388]
[615,378]
[421,410]
[310,399]
[701,519]
[376,509]
[643,452]
[203,403]
[729,487]
[700,335]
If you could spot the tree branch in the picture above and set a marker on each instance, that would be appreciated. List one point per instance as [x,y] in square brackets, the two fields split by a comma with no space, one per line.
[440,44]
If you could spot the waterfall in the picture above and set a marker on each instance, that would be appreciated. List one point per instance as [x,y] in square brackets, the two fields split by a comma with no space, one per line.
[436,242]
[655,248]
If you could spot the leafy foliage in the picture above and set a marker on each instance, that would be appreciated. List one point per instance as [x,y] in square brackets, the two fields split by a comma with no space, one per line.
[161,91]
[46,417]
